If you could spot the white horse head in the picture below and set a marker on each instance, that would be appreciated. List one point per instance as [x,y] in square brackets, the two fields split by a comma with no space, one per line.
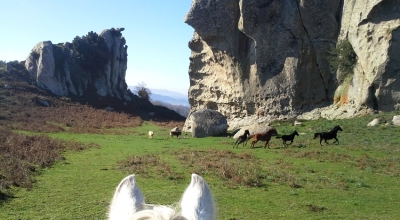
[196,203]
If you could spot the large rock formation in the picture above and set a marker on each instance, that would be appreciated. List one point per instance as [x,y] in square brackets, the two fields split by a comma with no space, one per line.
[257,60]
[57,68]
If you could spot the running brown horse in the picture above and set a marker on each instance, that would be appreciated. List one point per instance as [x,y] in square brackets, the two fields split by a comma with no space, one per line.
[266,136]
[328,135]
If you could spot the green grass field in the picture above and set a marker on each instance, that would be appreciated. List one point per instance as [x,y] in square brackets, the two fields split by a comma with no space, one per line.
[357,179]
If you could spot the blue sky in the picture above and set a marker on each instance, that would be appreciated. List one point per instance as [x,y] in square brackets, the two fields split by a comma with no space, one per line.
[156,35]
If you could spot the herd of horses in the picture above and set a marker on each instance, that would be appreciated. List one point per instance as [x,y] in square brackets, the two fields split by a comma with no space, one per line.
[197,201]
[266,136]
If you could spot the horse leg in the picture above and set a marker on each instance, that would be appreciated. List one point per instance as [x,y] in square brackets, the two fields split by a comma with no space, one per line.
[266,145]
[336,140]
[253,143]
[326,141]
[320,141]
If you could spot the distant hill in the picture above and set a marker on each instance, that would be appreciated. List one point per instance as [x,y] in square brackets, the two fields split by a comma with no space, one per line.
[173,100]
[170,97]
[19,94]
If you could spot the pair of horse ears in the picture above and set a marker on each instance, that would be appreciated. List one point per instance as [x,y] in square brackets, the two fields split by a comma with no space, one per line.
[196,202]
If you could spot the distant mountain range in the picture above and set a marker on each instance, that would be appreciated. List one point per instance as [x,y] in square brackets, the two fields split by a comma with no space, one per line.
[170,97]
[173,98]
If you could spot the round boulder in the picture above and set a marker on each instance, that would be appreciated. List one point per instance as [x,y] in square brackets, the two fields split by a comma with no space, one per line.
[207,122]
[374,122]
[396,120]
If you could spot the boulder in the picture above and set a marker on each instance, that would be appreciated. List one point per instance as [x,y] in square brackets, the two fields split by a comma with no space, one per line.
[42,102]
[8,86]
[207,122]
[396,120]
[374,122]
[297,123]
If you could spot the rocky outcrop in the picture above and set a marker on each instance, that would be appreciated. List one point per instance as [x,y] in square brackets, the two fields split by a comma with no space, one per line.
[372,28]
[55,67]
[265,60]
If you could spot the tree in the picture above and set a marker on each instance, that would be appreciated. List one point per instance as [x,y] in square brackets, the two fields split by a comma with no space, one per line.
[91,52]
[343,58]
[142,91]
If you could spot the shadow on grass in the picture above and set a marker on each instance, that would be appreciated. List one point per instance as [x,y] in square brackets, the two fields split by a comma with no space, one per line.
[5,198]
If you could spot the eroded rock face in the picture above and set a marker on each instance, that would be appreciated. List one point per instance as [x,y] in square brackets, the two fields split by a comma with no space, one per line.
[54,67]
[372,27]
[261,58]
[269,59]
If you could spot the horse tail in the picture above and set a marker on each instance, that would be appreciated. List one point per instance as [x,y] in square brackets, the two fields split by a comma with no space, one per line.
[316,135]
[278,137]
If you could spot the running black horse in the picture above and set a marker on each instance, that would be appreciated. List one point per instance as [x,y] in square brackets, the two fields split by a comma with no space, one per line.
[328,135]
[288,137]
[242,139]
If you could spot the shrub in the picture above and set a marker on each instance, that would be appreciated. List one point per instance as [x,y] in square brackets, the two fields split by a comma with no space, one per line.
[91,52]
[142,91]
[3,63]
[342,58]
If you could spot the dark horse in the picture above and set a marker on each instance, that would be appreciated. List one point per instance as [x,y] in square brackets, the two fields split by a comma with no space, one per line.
[242,139]
[289,137]
[328,135]
[266,136]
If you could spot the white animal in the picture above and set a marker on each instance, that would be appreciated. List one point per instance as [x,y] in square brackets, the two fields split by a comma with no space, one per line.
[175,132]
[151,133]
[196,203]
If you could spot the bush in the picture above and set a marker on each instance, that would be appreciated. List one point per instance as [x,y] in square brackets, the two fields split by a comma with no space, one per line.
[142,91]
[91,52]
[343,58]
[3,63]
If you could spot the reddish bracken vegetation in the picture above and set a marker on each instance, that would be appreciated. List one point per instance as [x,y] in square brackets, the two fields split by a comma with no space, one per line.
[25,107]
[170,124]
[22,155]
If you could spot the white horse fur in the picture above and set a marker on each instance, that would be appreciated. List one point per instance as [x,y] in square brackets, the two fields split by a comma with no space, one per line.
[151,133]
[196,203]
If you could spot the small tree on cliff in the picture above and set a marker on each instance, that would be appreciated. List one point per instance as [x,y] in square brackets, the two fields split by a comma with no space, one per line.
[142,91]
[343,58]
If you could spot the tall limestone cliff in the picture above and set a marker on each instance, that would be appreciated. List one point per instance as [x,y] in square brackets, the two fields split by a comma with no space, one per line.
[72,69]
[256,60]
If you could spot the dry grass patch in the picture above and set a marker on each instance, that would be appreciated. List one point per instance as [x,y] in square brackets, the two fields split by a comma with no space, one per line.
[149,165]
[69,117]
[243,168]
[21,156]
[169,124]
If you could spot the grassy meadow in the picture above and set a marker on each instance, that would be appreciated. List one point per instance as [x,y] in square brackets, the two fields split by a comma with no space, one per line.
[357,179]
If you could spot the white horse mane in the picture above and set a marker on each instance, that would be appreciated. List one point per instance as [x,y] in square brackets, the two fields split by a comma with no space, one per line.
[196,203]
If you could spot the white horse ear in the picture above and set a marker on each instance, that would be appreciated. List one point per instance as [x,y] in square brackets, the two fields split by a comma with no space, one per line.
[127,199]
[197,202]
